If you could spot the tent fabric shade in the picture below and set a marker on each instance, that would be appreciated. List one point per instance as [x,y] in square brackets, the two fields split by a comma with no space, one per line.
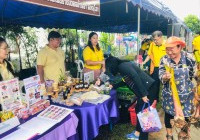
[114,16]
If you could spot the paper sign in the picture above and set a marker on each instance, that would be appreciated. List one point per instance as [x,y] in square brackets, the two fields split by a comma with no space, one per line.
[89,77]
[20,134]
[34,89]
[90,7]
[9,94]
[9,124]
[42,125]
[55,113]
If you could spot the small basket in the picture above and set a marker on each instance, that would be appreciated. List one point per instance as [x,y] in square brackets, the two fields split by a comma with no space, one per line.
[133,114]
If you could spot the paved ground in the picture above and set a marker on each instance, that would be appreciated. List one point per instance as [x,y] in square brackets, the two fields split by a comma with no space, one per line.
[195,133]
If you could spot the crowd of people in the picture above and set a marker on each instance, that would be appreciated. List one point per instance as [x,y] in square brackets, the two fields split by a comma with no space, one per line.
[160,53]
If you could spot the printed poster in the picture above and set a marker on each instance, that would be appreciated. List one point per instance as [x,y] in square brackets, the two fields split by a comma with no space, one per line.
[89,77]
[10,94]
[34,89]
[55,113]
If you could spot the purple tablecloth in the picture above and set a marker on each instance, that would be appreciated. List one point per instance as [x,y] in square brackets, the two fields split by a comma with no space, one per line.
[63,131]
[91,116]
[66,129]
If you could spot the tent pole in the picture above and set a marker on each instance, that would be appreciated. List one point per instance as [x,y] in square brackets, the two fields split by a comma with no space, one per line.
[138,31]
[172,28]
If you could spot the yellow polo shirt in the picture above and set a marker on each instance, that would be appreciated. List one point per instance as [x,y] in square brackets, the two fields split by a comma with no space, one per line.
[157,52]
[196,43]
[53,62]
[91,55]
[6,75]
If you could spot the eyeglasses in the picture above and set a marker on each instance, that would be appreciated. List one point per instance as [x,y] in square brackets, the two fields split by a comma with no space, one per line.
[157,39]
[170,49]
[5,49]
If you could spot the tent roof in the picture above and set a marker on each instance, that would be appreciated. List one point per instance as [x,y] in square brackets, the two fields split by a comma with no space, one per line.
[113,18]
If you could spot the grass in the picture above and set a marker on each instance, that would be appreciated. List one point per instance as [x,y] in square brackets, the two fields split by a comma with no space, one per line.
[118,133]
[130,57]
[121,128]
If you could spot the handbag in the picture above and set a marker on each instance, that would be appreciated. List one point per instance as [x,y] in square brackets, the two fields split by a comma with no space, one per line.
[149,119]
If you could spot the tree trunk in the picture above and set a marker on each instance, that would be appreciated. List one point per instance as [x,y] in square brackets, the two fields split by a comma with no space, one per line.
[20,59]
[73,56]
[27,54]
[77,42]
[28,58]
[36,49]
[70,48]
[70,53]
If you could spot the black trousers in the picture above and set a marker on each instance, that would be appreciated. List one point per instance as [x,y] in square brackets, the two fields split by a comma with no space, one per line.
[169,117]
[156,85]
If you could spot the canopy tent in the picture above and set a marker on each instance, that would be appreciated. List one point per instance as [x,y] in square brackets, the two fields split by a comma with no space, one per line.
[117,16]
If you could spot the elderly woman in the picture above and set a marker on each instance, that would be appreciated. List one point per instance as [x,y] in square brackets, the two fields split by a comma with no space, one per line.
[93,56]
[184,67]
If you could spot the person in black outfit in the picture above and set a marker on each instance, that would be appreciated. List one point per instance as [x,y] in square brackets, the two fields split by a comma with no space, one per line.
[138,81]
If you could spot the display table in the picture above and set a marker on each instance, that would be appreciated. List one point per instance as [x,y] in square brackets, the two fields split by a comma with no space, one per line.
[91,116]
[66,129]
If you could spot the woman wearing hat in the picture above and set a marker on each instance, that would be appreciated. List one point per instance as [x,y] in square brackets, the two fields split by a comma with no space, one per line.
[184,67]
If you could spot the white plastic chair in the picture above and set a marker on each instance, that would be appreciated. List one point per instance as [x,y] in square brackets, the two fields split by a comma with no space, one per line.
[80,67]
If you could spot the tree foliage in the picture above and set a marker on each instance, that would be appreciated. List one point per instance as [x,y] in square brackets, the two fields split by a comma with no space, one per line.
[193,22]
[106,40]
[70,37]
[21,39]
[83,35]
[70,40]
[29,44]
[12,33]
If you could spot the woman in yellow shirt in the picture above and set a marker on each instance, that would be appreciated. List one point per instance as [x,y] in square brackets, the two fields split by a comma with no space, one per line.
[93,56]
[6,69]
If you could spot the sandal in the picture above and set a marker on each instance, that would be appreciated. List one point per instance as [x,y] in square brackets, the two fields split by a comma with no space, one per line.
[169,137]
[183,136]
[193,120]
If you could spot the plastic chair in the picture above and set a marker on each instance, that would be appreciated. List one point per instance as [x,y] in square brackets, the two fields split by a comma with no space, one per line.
[80,67]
